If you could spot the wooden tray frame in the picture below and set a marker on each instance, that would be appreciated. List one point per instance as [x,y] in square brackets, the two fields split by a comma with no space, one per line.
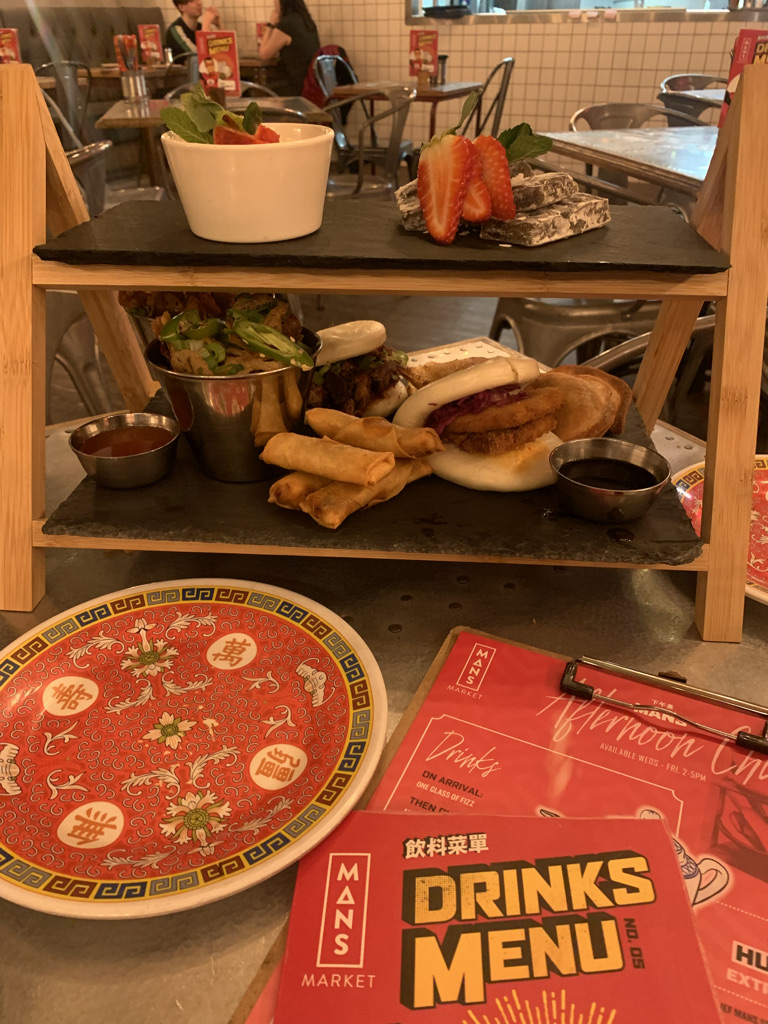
[39,193]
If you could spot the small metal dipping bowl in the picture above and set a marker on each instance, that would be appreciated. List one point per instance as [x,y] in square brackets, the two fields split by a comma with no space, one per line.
[607,505]
[127,470]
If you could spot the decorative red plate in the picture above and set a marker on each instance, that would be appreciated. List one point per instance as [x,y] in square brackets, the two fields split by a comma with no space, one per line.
[690,488]
[170,745]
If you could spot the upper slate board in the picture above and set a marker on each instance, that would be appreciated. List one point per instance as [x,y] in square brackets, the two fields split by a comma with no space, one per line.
[367,235]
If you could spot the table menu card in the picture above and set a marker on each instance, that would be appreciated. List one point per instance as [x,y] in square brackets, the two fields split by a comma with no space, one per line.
[443,919]
[151,44]
[497,734]
[9,46]
[751,48]
[491,732]
[422,58]
[218,62]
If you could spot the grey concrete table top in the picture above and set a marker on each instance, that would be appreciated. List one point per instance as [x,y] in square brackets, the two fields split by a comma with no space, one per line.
[675,158]
[193,967]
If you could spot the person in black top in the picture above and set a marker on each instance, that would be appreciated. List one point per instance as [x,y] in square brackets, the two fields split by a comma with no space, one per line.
[180,34]
[291,36]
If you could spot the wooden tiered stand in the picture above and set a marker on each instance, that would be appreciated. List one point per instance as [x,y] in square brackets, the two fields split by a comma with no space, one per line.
[37,191]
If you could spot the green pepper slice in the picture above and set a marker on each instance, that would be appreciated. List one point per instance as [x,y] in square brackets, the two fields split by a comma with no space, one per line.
[206,329]
[271,343]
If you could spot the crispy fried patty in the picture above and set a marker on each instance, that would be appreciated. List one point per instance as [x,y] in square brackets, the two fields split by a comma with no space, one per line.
[496,442]
[503,417]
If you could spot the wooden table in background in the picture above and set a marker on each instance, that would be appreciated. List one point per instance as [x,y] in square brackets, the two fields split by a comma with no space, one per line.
[673,158]
[432,94]
[145,115]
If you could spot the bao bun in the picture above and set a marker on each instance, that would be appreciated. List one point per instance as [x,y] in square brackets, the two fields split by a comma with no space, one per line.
[359,338]
[524,469]
[347,341]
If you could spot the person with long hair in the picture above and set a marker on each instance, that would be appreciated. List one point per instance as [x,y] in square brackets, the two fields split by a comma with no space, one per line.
[291,36]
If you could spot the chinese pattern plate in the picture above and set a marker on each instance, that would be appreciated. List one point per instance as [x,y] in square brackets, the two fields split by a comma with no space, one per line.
[690,488]
[166,746]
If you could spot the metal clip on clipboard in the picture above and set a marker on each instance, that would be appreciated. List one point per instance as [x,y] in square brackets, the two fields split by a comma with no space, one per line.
[750,740]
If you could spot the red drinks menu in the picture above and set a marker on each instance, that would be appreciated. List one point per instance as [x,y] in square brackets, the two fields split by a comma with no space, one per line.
[422,56]
[218,61]
[9,46]
[496,734]
[751,48]
[150,44]
[443,920]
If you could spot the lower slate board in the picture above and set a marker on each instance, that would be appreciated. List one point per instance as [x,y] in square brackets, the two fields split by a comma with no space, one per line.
[429,518]
[364,235]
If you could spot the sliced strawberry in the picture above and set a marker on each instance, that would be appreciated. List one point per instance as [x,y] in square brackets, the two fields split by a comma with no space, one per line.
[477,202]
[265,134]
[493,157]
[442,185]
[223,136]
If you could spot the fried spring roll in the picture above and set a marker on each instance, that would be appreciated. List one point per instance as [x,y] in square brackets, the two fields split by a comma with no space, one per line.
[323,457]
[289,491]
[375,433]
[331,505]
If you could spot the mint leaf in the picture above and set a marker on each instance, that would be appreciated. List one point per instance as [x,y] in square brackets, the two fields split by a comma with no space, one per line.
[252,118]
[521,144]
[203,111]
[182,125]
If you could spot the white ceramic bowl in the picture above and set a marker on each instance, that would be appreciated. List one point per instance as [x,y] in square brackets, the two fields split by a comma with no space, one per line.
[262,193]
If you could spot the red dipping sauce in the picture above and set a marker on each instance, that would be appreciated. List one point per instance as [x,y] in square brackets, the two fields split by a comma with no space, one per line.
[122,441]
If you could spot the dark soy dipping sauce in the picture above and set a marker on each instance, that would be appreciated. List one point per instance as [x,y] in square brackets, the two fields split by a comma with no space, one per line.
[122,441]
[609,474]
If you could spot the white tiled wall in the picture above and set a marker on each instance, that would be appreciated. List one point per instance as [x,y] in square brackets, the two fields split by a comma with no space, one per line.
[558,66]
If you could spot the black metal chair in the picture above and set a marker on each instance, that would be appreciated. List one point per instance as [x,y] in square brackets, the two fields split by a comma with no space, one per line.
[492,111]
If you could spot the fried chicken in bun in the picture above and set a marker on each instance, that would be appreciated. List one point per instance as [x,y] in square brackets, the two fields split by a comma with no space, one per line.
[497,435]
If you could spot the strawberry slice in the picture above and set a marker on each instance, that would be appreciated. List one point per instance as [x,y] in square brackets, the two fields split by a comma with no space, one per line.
[265,134]
[477,202]
[442,184]
[493,157]
[223,136]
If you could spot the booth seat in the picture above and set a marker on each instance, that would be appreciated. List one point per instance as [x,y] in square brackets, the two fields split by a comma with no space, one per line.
[84,34]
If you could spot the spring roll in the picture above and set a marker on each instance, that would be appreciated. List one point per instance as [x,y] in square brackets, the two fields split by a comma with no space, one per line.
[289,491]
[331,505]
[375,433]
[323,457]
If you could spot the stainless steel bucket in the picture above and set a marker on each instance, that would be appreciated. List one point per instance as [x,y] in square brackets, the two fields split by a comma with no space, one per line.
[228,420]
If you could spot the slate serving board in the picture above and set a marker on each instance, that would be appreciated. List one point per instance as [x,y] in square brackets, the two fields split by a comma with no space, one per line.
[367,235]
[429,518]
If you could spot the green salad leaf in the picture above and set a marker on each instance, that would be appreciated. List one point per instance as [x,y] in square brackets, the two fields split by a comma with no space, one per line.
[521,144]
[182,125]
[199,115]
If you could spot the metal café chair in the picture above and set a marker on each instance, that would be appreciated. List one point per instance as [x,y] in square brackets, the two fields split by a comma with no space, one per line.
[498,79]
[73,90]
[331,70]
[673,85]
[385,158]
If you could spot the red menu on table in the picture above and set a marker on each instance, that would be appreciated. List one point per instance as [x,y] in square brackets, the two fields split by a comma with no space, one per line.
[422,56]
[218,61]
[496,734]
[150,44]
[9,46]
[751,48]
[444,919]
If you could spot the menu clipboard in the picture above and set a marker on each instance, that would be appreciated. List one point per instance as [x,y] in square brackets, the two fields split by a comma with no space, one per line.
[497,727]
